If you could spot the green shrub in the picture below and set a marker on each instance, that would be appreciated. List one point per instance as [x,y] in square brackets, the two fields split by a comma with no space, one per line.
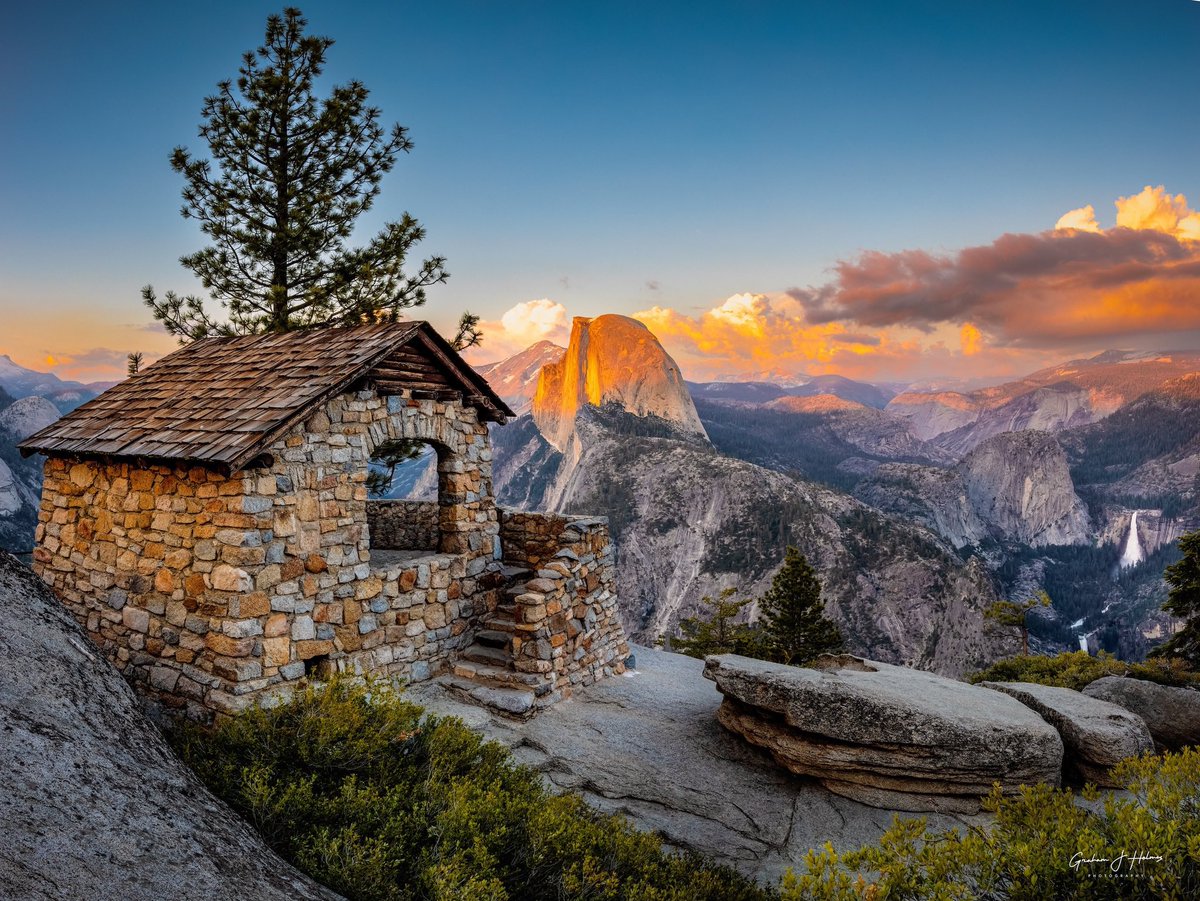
[371,797]
[1076,669]
[1044,844]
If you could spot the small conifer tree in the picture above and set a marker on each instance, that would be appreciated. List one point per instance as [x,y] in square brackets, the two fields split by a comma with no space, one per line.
[1184,602]
[719,633]
[290,174]
[1010,613]
[796,630]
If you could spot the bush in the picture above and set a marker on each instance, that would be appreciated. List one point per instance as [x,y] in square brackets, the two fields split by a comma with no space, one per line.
[1044,844]
[1076,669]
[369,796]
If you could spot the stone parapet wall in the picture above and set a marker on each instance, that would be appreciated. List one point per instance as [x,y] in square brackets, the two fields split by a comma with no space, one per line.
[403,525]
[532,539]
[569,629]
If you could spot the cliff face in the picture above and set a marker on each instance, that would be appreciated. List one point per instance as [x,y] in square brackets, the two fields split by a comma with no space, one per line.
[515,379]
[611,360]
[1020,482]
[95,805]
[1015,488]
[689,522]
[936,498]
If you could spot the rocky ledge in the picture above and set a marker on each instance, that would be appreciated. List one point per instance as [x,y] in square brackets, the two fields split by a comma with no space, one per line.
[647,744]
[95,804]
[1172,714]
[1096,735]
[887,736]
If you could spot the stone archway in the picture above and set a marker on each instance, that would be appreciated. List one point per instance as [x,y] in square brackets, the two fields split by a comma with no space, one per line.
[465,509]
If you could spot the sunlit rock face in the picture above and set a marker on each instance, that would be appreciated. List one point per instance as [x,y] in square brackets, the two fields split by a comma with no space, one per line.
[515,379]
[611,359]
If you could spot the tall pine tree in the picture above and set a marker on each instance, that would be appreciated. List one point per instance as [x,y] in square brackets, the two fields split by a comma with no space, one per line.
[793,618]
[1184,602]
[289,176]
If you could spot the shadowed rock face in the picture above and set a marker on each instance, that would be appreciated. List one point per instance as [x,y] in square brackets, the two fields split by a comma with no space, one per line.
[1172,714]
[95,804]
[1096,735]
[1020,483]
[885,735]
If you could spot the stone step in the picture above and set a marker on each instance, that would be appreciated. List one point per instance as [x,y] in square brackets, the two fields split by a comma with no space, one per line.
[498,657]
[513,573]
[505,624]
[497,675]
[516,702]
[494,638]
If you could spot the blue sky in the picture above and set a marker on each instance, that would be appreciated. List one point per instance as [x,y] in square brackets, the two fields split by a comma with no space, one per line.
[610,157]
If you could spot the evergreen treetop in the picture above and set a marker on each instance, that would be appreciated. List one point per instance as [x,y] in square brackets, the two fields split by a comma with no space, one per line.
[1184,602]
[793,617]
[290,174]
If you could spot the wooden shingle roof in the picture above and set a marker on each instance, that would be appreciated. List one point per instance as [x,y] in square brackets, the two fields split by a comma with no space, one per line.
[224,401]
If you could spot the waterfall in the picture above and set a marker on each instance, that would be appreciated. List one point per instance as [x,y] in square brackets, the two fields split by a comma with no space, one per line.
[1132,552]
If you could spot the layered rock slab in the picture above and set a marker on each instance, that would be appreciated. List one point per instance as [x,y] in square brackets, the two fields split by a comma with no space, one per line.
[94,803]
[1096,734]
[1172,714]
[887,736]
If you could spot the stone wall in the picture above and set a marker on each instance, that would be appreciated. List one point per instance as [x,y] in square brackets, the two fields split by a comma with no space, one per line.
[568,626]
[403,525]
[209,591]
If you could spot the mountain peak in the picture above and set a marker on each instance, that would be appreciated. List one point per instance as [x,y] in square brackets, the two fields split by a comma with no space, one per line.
[515,378]
[611,359]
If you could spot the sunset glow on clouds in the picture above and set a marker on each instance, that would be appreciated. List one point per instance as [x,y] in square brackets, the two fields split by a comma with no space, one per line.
[1024,300]
[1000,309]
[524,324]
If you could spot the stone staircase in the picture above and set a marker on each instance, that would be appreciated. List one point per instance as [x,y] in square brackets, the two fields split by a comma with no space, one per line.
[485,673]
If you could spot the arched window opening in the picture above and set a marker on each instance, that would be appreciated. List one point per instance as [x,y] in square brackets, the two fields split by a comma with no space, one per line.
[408,504]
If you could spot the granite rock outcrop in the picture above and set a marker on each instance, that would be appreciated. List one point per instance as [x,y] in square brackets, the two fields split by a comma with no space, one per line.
[95,804]
[1096,734]
[884,735]
[1172,714]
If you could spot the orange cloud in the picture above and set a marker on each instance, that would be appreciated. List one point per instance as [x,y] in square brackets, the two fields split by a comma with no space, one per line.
[1155,209]
[750,336]
[1076,283]
[1083,219]
[970,339]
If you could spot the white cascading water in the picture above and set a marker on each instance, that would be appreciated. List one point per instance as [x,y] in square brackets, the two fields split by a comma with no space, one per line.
[1132,552]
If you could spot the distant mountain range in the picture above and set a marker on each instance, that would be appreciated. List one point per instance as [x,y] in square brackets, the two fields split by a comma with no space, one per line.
[917,507]
[29,400]
[1034,480]
[763,392]
[614,430]
[17,382]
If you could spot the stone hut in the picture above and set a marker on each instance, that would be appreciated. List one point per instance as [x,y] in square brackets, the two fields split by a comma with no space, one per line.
[208,522]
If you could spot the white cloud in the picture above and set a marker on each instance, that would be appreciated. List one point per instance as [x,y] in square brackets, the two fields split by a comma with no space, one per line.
[524,324]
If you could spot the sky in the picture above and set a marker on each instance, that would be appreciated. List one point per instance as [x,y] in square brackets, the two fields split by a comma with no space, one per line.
[887,191]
